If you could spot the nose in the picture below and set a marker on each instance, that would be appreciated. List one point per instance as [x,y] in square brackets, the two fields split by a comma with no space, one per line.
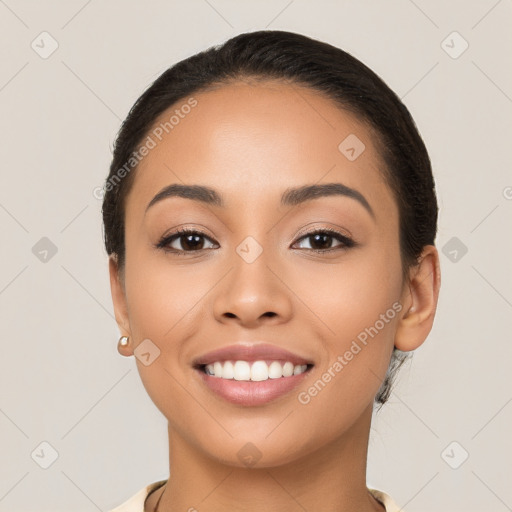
[253,293]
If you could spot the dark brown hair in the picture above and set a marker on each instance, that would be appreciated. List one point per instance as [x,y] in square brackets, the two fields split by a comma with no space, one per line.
[300,60]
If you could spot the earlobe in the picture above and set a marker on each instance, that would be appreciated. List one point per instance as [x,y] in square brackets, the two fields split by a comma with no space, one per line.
[118,297]
[420,301]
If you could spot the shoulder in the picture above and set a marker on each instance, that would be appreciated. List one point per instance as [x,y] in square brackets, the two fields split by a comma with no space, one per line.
[136,502]
[386,500]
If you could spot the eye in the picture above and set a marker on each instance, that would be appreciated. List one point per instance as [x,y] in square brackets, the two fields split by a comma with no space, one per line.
[190,240]
[322,239]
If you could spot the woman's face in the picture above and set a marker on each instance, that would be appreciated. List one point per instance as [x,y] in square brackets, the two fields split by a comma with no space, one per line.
[252,275]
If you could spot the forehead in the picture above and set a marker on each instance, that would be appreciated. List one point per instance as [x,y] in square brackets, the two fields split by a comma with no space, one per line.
[254,140]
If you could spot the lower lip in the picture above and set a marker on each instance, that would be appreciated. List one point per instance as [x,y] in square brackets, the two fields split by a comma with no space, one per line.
[250,393]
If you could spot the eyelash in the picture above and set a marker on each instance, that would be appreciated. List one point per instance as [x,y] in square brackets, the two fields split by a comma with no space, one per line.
[347,242]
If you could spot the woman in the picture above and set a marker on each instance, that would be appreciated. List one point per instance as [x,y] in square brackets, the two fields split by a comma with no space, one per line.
[270,217]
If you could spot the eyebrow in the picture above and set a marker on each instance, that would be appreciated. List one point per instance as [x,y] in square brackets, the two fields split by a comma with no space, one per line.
[290,197]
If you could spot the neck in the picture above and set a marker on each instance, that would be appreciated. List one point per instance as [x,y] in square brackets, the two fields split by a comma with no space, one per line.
[332,478]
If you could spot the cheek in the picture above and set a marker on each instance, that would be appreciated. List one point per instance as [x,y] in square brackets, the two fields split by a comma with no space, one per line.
[160,299]
[361,313]
[358,305]
[350,295]
[161,294]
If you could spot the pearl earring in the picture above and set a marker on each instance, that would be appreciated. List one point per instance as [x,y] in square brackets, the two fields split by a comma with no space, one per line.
[123,341]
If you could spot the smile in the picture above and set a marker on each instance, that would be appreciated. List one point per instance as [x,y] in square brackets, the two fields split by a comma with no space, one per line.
[250,385]
[256,371]
[251,374]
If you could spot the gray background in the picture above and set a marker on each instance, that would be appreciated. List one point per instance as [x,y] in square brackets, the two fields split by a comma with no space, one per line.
[62,381]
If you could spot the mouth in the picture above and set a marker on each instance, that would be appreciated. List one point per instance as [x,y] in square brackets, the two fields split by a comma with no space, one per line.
[251,374]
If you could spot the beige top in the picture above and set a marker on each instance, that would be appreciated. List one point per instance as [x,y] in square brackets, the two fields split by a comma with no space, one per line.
[136,502]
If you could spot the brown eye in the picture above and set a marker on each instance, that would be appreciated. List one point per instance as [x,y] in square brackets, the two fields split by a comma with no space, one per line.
[322,240]
[184,240]
[191,242]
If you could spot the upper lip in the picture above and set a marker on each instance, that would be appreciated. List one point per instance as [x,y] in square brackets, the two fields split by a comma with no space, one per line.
[250,352]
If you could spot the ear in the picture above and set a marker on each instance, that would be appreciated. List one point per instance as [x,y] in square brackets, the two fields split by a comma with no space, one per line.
[419,299]
[118,296]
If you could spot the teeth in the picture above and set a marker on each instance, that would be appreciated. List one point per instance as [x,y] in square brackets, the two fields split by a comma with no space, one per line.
[228,370]
[241,370]
[299,369]
[288,369]
[257,371]
[275,370]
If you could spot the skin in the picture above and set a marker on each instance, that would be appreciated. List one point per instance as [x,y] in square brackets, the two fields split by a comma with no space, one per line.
[251,141]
